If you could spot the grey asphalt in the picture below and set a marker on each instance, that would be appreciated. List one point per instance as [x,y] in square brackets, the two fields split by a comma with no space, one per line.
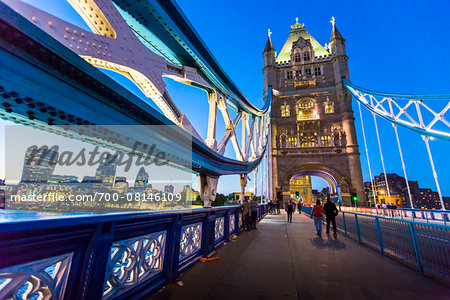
[288,261]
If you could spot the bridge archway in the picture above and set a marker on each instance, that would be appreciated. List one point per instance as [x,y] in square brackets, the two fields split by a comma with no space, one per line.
[335,181]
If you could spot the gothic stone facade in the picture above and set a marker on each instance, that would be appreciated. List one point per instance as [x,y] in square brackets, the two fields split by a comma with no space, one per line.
[312,124]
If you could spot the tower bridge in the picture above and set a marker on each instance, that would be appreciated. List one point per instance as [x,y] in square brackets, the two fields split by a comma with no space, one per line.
[50,81]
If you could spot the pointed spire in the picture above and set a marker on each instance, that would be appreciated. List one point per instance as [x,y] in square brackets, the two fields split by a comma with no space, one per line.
[335,34]
[269,45]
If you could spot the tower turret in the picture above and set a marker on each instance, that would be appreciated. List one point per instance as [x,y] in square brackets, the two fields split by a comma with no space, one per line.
[337,42]
[269,56]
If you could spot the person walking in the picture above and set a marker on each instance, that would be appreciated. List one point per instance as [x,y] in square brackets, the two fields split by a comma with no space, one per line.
[299,207]
[316,214]
[245,214]
[289,210]
[254,212]
[271,207]
[278,207]
[331,212]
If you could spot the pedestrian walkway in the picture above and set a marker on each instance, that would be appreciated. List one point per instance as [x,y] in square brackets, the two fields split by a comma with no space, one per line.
[288,261]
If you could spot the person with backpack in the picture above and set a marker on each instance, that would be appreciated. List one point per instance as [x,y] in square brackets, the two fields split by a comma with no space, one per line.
[331,212]
[316,214]
[289,210]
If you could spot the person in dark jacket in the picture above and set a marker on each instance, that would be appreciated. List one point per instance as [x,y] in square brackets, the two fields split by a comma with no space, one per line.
[289,210]
[331,212]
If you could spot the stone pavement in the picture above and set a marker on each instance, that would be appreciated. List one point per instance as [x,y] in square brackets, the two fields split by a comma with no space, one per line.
[288,261]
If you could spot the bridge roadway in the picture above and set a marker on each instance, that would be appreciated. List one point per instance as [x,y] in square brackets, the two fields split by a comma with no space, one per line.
[288,261]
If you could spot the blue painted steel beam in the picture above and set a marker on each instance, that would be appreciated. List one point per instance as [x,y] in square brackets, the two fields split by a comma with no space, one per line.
[422,131]
[169,26]
[97,99]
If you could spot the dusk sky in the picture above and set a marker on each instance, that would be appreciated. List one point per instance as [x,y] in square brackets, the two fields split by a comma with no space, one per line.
[393,46]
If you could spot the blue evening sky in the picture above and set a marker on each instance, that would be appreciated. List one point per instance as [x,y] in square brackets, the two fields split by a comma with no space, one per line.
[393,46]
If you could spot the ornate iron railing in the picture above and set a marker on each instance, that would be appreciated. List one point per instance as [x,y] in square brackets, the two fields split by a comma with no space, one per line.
[424,245]
[418,215]
[107,256]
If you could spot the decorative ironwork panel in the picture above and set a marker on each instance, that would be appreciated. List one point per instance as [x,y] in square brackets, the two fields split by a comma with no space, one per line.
[133,261]
[41,279]
[191,240]
[232,221]
[219,228]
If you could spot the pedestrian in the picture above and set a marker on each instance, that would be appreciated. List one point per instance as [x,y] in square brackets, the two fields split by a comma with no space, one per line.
[271,207]
[254,212]
[331,212]
[316,214]
[289,210]
[245,214]
[278,207]
[299,207]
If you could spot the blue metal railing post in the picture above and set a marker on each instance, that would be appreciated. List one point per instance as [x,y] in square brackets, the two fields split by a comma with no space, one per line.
[416,247]
[96,262]
[357,228]
[226,225]
[173,245]
[380,239]
[343,221]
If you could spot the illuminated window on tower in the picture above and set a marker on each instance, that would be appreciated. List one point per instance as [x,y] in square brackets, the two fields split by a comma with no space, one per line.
[309,139]
[326,140]
[285,111]
[329,107]
[292,141]
[307,109]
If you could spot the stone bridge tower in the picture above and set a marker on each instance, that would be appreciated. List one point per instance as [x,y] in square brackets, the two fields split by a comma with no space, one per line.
[312,125]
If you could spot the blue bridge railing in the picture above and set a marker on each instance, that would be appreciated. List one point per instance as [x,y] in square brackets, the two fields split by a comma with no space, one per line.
[420,215]
[107,256]
[420,244]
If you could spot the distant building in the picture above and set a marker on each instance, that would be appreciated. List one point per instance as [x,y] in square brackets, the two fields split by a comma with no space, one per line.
[63,179]
[38,165]
[168,188]
[423,198]
[89,179]
[120,179]
[237,196]
[106,173]
[141,180]
[191,194]
[301,188]
[120,184]
[428,199]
